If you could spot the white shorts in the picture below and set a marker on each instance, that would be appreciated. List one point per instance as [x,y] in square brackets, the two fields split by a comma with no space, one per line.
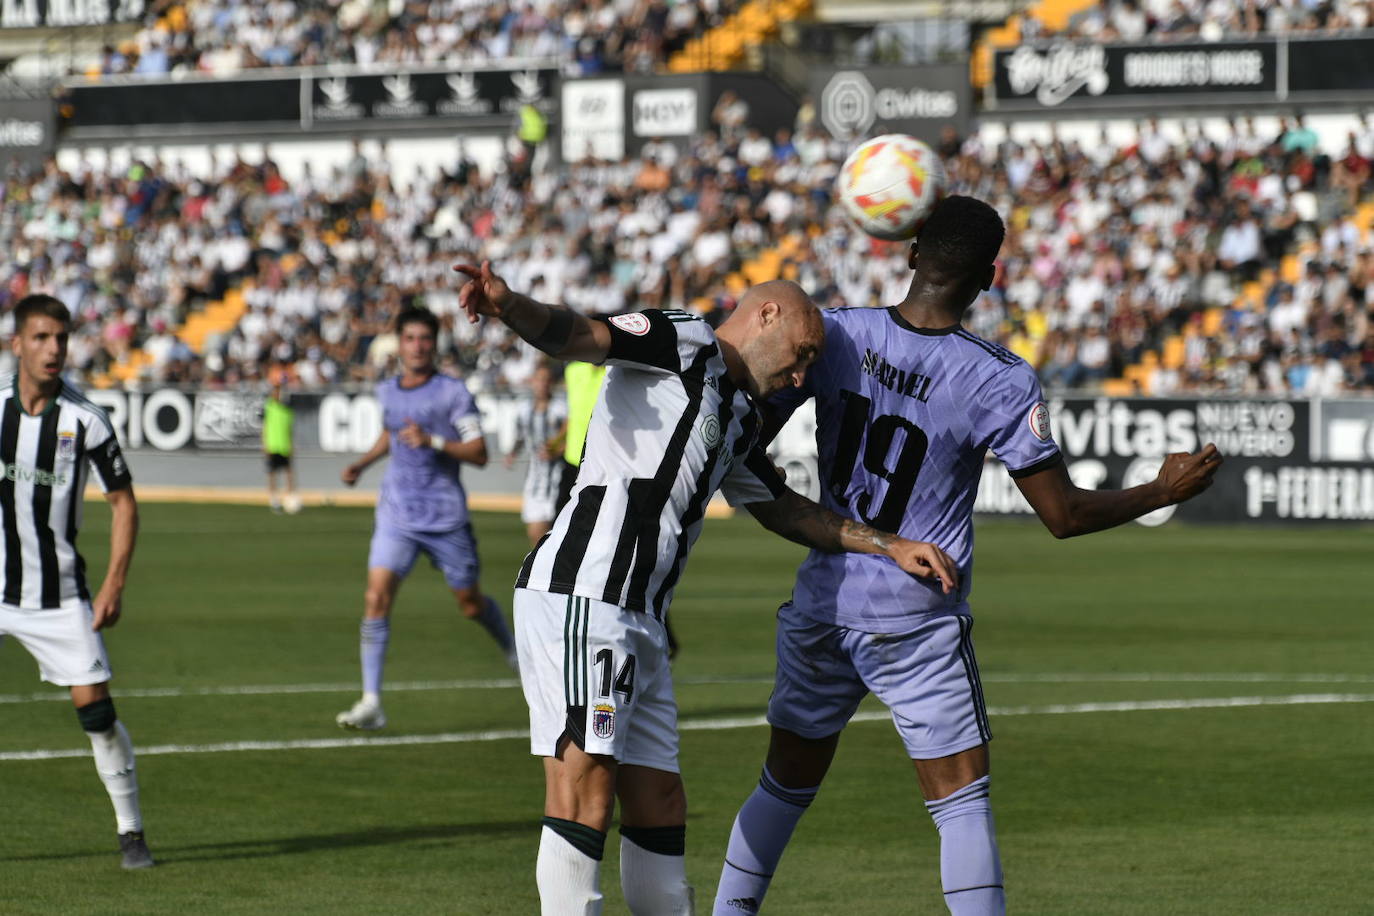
[597,675]
[538,508]
[69,653]
[928,679]
[539,502]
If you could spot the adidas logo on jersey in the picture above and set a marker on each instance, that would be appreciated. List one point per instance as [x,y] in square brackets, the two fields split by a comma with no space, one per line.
[96,665]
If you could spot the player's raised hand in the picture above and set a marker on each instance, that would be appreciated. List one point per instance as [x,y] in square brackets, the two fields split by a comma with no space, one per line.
[1185,475]
[926,561]
[484,293]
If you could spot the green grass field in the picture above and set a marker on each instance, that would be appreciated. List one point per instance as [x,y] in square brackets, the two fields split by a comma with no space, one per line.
[1101,810]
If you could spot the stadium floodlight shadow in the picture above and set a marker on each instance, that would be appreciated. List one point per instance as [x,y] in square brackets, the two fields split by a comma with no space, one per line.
[273,847]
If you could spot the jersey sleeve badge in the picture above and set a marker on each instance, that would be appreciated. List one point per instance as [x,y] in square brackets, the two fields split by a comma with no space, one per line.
[1039,420]
[633,323]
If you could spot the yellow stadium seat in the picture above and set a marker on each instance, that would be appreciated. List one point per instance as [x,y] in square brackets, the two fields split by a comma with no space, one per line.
[1174,349]
[725,45]
[1212,320]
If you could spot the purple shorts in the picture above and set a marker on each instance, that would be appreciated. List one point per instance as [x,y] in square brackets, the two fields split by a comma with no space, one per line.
[453,553]
[928,680]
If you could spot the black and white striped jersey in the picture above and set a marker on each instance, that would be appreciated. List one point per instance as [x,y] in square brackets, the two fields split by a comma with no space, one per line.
[668,431]
[42,478]
[535,428]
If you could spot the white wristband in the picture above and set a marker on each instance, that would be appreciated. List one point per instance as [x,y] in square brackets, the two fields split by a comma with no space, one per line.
[437,443]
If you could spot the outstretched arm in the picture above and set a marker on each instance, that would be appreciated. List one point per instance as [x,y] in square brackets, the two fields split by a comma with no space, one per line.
[799,519]
[1068,511]
[555,329]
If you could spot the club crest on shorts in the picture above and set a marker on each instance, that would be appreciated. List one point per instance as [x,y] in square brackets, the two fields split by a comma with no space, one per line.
[603,720]
[66,445]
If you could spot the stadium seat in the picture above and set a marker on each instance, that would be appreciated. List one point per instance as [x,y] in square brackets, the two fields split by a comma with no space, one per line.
[724,46]
[1175,348]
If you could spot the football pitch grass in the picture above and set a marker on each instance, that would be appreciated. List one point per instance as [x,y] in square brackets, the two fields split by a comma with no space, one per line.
[1184,722]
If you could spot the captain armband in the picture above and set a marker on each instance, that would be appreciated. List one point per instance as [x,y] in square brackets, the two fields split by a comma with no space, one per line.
[469,428]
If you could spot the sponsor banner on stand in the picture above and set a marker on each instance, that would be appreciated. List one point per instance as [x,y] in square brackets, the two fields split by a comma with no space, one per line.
[593,119]
[1086,75]
[313,99]
[443,94]
[1344,431]
[27,130]
[172,419]
[665,112]
[912,100]
[1286,461]
[1290,69]
[672,107]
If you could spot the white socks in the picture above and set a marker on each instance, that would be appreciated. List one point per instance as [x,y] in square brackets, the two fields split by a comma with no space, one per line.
[652,870]
[114,761]
[568,870]
[655,880]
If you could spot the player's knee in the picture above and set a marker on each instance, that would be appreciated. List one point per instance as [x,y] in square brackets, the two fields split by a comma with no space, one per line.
[675,804]
[377,602]
[796,762]
[97,717]
[664,803]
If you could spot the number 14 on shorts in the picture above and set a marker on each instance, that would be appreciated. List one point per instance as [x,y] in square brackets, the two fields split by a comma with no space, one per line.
[621,682]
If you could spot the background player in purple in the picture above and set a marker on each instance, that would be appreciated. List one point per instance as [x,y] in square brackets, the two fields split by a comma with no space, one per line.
[907,405]
[430,428]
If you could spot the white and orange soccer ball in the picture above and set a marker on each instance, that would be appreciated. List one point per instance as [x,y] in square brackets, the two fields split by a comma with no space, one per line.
[889,185]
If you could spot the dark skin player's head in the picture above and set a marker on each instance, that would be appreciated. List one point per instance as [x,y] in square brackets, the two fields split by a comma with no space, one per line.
[954,259]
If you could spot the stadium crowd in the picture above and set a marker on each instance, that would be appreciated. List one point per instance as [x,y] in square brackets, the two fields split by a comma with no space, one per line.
[221,37]
[1206,20]
[1111,251]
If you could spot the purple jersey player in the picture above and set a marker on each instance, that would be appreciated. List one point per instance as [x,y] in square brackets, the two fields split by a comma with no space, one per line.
[907,405]
[430,428]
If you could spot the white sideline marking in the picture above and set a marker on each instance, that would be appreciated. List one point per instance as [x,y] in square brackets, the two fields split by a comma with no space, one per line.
[718,724]
[501,683]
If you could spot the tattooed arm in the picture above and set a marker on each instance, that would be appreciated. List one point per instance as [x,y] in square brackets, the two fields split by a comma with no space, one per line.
[799,519]
[555,329]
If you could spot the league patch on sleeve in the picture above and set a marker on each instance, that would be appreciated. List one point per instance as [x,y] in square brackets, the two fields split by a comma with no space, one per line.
[1039,420]
[633,323]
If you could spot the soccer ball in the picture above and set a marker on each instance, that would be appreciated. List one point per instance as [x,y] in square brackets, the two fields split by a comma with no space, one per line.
[889,185]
